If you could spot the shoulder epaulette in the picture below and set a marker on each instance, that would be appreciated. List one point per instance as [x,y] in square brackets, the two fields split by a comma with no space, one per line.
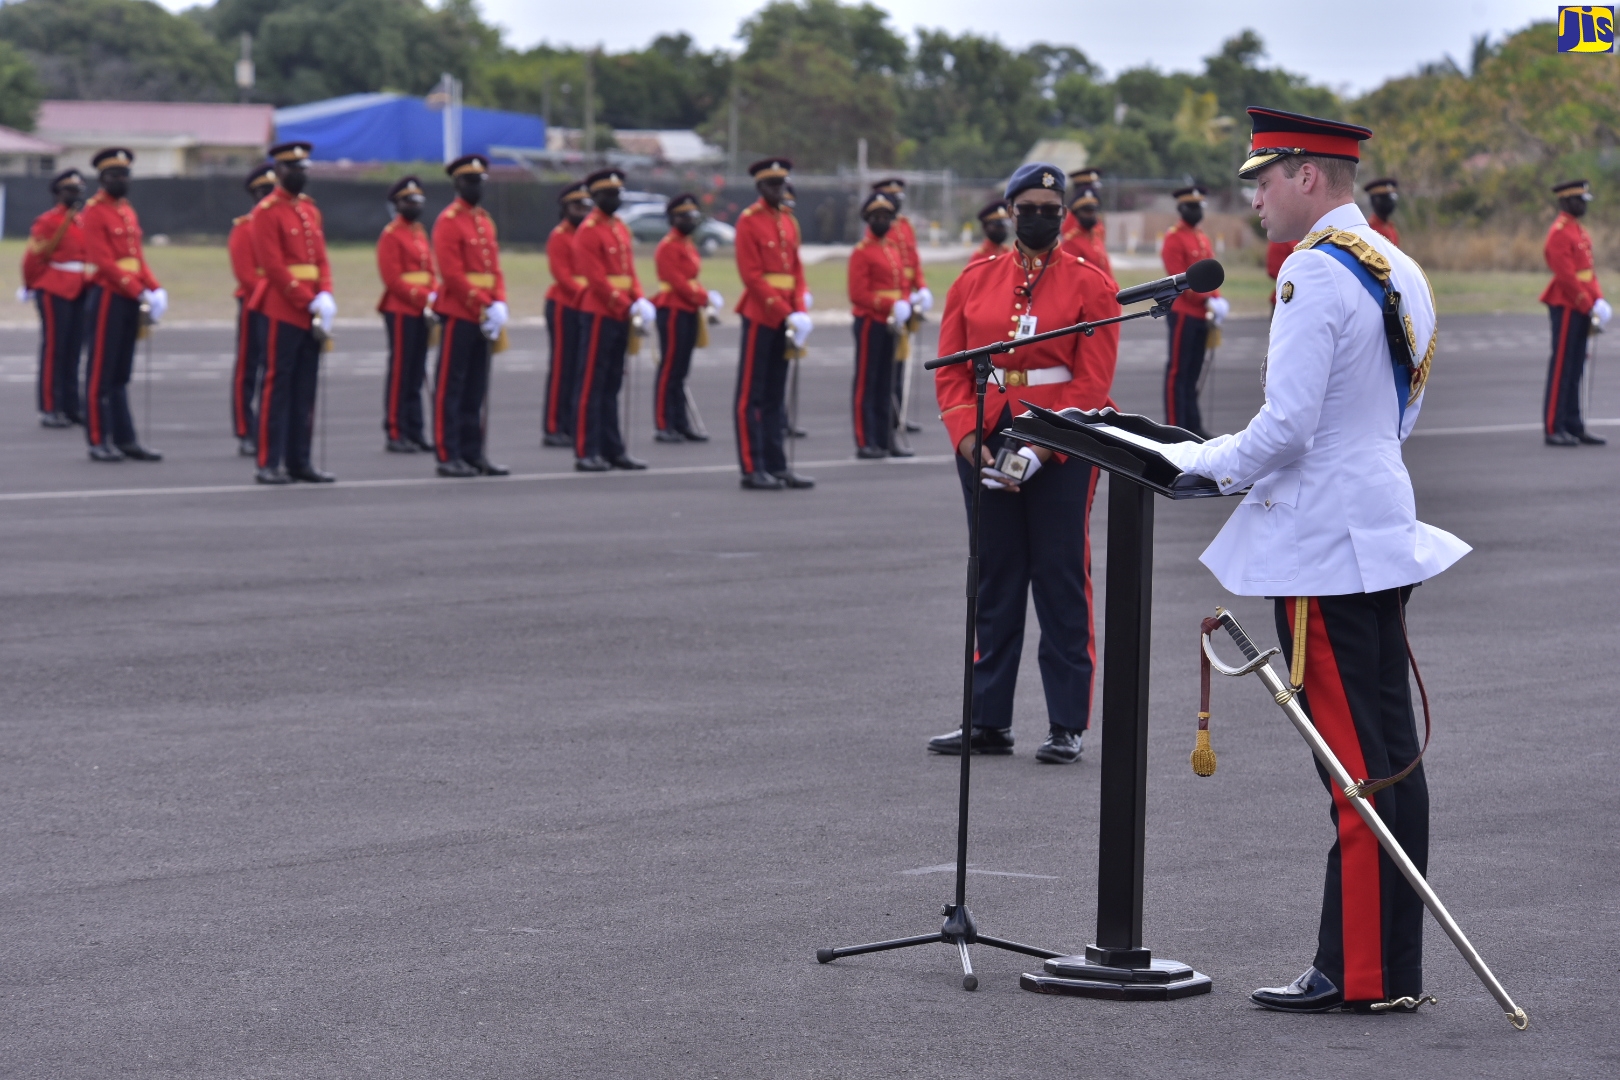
[1365,253]
[264,201]
[753,209]
[452,210]
[239,220]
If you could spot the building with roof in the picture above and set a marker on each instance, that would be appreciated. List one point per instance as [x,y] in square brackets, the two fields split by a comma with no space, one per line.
[22,154]
[169,138]
[393,127]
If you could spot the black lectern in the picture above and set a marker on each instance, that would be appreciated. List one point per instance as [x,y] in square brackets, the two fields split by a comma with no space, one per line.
[1122,445]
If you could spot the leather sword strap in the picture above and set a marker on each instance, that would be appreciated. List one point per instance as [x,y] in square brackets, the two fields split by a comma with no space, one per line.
[1368,788]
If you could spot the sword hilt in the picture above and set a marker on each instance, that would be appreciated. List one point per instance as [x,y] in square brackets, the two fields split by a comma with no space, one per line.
[1247,647]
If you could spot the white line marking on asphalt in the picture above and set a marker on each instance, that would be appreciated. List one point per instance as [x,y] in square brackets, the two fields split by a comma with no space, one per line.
[944,867]
[1498,429]
[430,481]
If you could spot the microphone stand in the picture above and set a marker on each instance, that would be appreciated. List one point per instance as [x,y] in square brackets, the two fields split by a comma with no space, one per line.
[960,929]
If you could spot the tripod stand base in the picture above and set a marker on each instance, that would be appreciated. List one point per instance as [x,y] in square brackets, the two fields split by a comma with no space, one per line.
[1082,976]
[959,930]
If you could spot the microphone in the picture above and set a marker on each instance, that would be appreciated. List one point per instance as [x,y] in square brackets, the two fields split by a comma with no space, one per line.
[1205,275]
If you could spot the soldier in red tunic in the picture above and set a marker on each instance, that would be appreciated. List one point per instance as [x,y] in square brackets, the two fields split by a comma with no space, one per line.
[682,303]
[1088,239]
[472,302]
[405,264]
[1384,195]
[1080,182]
[882,308]
[993,219]
[1035,534]
[610,307]
[771,309]
[562,316]
[53,272]
[1190,316]
[289,241]
[1575,303]
[120,285]
[918,294]
[248,371]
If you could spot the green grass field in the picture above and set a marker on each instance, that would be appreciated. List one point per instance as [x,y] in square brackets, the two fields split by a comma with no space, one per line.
[199,282]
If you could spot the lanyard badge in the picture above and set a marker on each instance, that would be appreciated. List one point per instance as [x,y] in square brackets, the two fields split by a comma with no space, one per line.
[1026,327]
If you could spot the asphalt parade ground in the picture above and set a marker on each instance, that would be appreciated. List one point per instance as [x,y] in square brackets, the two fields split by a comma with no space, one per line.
[569,776]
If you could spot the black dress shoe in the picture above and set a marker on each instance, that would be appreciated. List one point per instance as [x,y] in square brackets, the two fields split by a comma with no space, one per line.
[421,445]
[54,420]
[104,452]
[1589,439]
[998,741]
[795,432]
[309,474]
[487,467]
[137,452]
[902,451]
[557,438]
[694,436]
[457,469]
[247,447]
[761,481]
[272,476]
[1310,993]
[401,446]
[75,419]
[913,427]
[1062,746]
[792,479]
[626,462]
[871,453]
[1562,438]
[665,435]
[591,464]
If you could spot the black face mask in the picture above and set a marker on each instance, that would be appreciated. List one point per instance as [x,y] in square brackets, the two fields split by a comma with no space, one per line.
[1038,232]
[607,200]
[996,231]
[1384,206]
[1192,213]
[685,224]
[471,188]
[70,195]
[116,186]
[880,226]
[1575,207]
[294,180]
[409,211]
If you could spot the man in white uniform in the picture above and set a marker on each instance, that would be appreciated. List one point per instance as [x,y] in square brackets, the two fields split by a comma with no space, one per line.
[1329,529]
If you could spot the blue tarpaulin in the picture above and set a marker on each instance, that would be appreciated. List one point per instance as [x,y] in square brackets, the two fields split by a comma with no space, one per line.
[392,127]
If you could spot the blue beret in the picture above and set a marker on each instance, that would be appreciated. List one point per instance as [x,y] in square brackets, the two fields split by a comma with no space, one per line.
[1036,175]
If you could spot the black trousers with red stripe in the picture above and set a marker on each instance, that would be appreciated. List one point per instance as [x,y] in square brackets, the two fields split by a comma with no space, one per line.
[292,371]
[873,395]
[1561,406]
[113,324]
[248,374]
[407,369]
[1188,336]
[562,380]
[602,342]
[758,408]
[460,390]
[1370,941]
[61,340]
[677,337]
[1036,540]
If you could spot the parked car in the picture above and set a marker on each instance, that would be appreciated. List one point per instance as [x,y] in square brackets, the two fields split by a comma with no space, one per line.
[645,217]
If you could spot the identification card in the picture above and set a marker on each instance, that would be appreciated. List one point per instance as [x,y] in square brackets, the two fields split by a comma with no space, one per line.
[1026,326]
[1012,463]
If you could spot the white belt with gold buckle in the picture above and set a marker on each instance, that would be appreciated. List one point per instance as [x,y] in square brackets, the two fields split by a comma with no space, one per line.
[1034,376]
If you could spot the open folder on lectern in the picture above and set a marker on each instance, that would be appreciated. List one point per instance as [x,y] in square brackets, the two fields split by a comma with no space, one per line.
[1116,442]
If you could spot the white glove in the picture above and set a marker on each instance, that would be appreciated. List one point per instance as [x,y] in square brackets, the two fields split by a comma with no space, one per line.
[809,301]
[902,313]
[495,317]
[716,301]
[433,298]
[1602,312]
[643,309]
[997,480]
[1219,307]
[798,324]
[324,308]
[922,299]
[24,294]
[160,304]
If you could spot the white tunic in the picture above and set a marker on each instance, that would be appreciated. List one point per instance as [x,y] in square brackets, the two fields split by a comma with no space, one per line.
[1331,510]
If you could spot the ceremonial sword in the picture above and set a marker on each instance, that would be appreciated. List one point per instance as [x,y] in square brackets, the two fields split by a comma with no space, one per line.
[1260,664]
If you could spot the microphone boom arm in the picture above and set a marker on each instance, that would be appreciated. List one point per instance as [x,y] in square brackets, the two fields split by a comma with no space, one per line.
[1158,310]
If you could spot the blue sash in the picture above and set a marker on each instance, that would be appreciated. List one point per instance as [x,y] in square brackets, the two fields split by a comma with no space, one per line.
[1389,302]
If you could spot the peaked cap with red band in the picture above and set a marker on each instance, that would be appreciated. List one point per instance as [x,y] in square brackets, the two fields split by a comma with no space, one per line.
[1279,134]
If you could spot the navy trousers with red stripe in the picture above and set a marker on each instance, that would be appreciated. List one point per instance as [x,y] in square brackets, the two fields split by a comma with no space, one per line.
[875,371]
[1561,405]
[407,369]
[1370,941]
[248,375]
[113,324]
[758,408]
[602,342]
[1188,336]
[677,337]
[61,340]
[1038,540]
[292,370]
[460,389]
[562,380]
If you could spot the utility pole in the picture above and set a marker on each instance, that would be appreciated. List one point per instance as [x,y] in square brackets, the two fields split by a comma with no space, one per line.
[590,104]
[545,100]
[244,68]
